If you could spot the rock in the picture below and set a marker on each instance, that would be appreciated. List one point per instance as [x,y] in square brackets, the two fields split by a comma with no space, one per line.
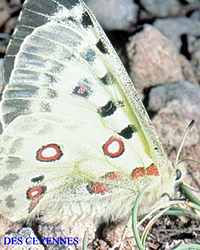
[7,226]
[188,70]
[1,70]
[195,15]
[161,8]
[194,50]
[114,14]
[153,59]
[77,230]
[113,234]
[170,8]
[23,240]
[179,27]
[10,25]
[3,4]
[15,2]
[8,20]
[176,105]
[4,16]
[100,245]
[196,63]
[1,88]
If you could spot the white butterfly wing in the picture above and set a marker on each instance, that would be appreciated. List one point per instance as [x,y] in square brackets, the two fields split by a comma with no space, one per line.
[80,136]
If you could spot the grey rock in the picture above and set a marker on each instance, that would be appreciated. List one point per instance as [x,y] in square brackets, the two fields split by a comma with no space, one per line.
[23,240]
[161,95]
[176,104]
[3,4]
[161,8]
[175,28]
[15,2]
[195,15]
[169,8]
[194,49]
[114,14]
[77,230]
[1,70]
[4,17]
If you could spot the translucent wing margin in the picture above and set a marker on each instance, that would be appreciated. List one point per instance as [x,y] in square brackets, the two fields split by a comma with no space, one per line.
[27,22]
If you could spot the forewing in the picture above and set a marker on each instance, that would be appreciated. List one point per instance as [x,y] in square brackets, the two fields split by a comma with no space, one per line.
[67,44]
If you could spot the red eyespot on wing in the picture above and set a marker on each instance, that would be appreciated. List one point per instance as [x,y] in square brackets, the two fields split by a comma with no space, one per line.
[138,172]
[82,90]
[152,170]
[113,147]
[35,192]
[50,152]
[98,188]
[33,205]
[113,176]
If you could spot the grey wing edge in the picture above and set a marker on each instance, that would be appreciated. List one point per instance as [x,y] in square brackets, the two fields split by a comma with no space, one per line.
[34,14]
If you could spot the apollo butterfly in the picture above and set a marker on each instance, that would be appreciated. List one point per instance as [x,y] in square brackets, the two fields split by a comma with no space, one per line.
[76,138]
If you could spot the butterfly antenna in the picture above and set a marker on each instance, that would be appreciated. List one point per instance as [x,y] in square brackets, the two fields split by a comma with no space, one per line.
[183,141]
[198,162]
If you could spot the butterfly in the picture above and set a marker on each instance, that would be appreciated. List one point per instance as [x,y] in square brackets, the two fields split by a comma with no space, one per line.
[77,143]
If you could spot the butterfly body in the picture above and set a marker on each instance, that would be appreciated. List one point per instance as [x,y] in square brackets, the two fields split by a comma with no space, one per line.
[75,133]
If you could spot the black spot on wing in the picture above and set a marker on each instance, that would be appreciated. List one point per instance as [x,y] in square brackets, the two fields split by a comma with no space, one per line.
[86,20]
[45,107]
[121,103]
[89,55]
[49,80]
[83,88]
[13,162]
[51,93]
[16,146]
[89,188]
[107,109]
[106,79]
[8,181]
[101,47]
[71,19]
[10,201]
[127,132]
[80,91]
[37,179]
